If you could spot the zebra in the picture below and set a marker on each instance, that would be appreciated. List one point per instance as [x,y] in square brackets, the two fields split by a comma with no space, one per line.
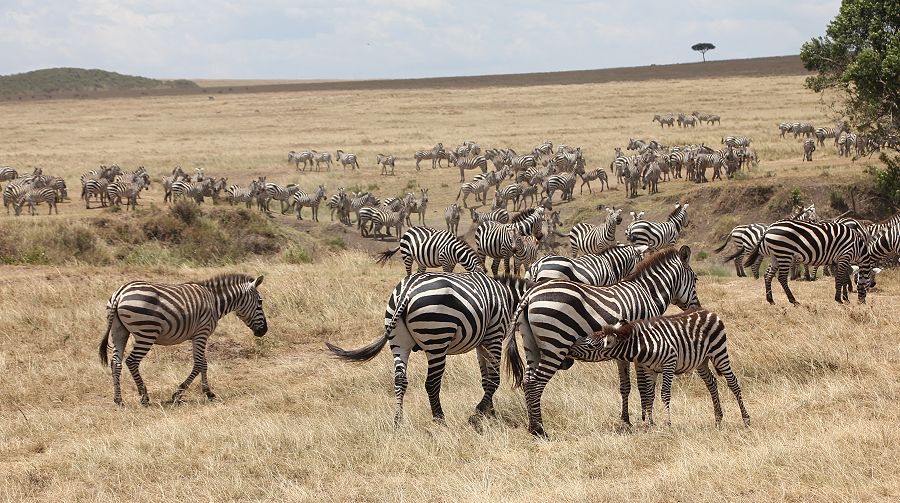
[587,238]
[433,248]
[827,132]
[746,238]
[521,162]
[238,194]
[565,160]
[445,314]
[34,196]
[530,191]
[845,144]
[168,180]
[601,269]
[708,118]
[358,201]
[8,173]
[588,176]
[94,187]
[886,242]
[500,216]
[502,197]
[419,206]
[564,182]
[346,159]
[322,158]
[655,235]
[385,161]
[668,345]
[528,252]
[480,186]
[736,141]
[384,218]
[305,156]
[312,200]
[166,314]
[498,241]
[282,194]
[464,163]
[545,148]
[839,244]
[802,128]
[664,120]
[554,315]
[809,146]
[14,190]
[650,178]
[130,190]
[702,162]
[451,217]
[785,127]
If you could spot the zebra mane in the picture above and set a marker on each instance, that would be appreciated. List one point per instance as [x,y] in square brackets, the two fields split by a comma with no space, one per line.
[225,279]
[676,212]
[652,262]
[522,215]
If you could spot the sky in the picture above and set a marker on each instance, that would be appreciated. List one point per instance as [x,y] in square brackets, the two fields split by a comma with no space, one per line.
[358,39]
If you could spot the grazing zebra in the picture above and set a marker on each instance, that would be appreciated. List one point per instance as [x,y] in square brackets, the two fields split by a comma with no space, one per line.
[605,268]
[34,196]
[785,127]
[158,313]
[746,237]
[736,141]
[498,241]
[588,176]
[802,128]
[500,216]
[464,163]
[827,132]
[282,194]
[312,200]
[386,161]
[664,120]
[94,187]
[238,194]
[650,178]
[445,314]
[477,187]
[564,182]
[433,248]
[502,197]
[809,146]
[839,244]
[323,158]
[305,156]
[385,218]
[655,235]
[451,217]
[587,238]
[347,159]
[668,345]
[554,315]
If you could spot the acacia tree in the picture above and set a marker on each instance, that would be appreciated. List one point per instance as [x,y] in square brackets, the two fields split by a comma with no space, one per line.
[859,59]
[702,47]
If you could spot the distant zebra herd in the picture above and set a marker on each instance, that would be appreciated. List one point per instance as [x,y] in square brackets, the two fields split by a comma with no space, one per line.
[845,142]
[684,120]
[31,190]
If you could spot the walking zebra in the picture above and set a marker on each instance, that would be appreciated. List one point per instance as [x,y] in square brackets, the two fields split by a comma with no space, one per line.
[498,241]
[386,161]
[478,187]
[668,345]
[588,176]
[809,146]
[736,141]
[650,178]
[565,183]
[464,163]
[451,217]
[168,180]
[305,156]
[664,120]
[158,313]
[94,187]
[347,159]
[445,314]
[433,248]
[312,200]
[746,237]
[839,244]
[827,132]
[34,196]
[282,194]
[500,216]
[605,268]
[655,235]
[323,158]
[587,238]
[511,192]
[554,315]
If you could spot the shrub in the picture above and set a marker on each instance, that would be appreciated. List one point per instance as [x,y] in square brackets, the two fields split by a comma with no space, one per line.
[187,211]
[296,254]
[796,197]
[837,202]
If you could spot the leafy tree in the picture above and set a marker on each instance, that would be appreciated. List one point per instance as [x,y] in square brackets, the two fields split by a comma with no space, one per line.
[859,59]
[702,47]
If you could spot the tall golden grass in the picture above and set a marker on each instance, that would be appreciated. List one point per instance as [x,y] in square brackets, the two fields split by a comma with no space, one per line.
[293,424]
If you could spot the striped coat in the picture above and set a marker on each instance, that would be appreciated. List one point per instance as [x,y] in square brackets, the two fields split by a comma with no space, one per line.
[433,248]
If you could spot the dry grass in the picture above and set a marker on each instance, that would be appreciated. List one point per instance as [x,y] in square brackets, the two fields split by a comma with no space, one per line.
[292,424]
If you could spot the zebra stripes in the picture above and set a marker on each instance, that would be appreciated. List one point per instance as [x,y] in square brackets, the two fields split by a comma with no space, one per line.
[839,244]
[433,248]
[668,345]
[478,187]
[347,159]
[164,314]
[387,219]
[322,158]
[664,120]
[386,161]
[564,182]
[746,237]
[451,218]
[707,118]
[809,146]
[498,241]
[305,156]
[445,314]
[655,235]
[826,132]
[500,216]
[554,315]
[34,196]
[464,163]
[602,269]
[587,238]
[736,141]
[302,199]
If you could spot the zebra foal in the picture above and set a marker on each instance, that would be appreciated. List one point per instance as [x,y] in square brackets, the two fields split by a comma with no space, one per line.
[668,345]
[165,314]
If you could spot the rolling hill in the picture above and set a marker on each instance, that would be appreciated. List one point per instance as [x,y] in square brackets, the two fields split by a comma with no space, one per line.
[52,82]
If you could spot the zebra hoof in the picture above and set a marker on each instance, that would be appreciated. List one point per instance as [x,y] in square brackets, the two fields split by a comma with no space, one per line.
[537,431]
[210,396]
[566,364]
[118,401]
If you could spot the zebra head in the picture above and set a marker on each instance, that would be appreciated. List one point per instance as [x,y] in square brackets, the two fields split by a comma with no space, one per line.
[614,215]
[684,291]
[611,335]
[249,307]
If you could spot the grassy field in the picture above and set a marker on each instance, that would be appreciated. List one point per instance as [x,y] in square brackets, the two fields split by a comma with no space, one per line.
[293,424]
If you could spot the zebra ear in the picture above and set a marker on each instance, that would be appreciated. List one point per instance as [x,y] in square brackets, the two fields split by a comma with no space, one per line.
[258,282]
[685,253]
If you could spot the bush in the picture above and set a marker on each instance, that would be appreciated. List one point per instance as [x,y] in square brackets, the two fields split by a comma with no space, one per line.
[796,197]
[296,255]
[187,211]
[887,181]
[837,202]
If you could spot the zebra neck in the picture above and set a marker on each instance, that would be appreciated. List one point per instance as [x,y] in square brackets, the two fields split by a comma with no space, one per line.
[658,289]
[226,298]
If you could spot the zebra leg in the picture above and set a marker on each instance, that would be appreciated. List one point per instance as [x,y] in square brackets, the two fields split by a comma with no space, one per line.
[199,346]
[668,375]
[625,390]
[739,265]
[755,267]
[436,364]
[770,273]
[506,261]
[646,379]
[119,339]
[141,347]
[842,282]
[488,363]
[495,266]
[712,387]
[783,279]
[722,365]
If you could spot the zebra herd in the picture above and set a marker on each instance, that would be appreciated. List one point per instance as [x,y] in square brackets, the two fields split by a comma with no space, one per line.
[32,190]
[845,142]
[684,120]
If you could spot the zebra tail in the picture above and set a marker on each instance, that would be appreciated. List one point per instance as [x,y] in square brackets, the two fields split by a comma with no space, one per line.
[514,364]
[719,249]
[366,353]
[383,257]
[733,255]
[458,194]
[104,343]
[753,256]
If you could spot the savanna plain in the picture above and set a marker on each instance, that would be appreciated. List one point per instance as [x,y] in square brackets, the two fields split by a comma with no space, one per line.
[292,424]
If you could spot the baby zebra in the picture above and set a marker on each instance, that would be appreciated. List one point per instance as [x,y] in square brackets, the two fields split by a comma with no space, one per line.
[386,161]
[669,345]
[451,216]
[159,313]
[809,146]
